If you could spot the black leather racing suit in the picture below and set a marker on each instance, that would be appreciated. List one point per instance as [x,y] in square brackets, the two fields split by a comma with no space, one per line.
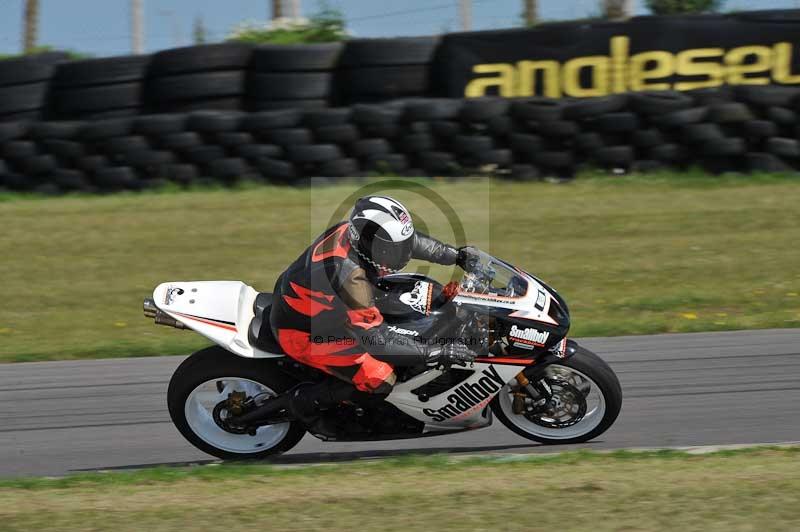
[324,312]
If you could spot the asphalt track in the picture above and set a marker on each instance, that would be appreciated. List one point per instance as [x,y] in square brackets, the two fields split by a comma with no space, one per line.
[679,390]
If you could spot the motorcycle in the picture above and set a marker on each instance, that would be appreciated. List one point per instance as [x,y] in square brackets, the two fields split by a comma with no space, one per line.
[538,383]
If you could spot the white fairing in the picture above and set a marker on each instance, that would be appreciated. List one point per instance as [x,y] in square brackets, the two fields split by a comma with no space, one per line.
[533,306]
[461,407]
[222,311]
[219,310]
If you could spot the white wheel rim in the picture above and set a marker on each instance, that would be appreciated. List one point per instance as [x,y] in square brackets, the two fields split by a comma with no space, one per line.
[199,409]
[595,409]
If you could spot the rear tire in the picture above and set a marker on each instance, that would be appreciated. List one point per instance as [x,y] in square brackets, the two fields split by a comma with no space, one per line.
[216,363]
[602,376]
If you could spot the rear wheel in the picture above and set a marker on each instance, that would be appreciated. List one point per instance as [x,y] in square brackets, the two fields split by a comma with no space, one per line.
[196,400]
[585,402]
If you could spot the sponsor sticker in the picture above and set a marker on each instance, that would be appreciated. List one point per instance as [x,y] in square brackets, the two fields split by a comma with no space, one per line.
[401,215]
[172,293]
[541,299]
[473,394]
[528,338]
[560,349]
[488,297]
[404,218]
[419,298]
[400,330]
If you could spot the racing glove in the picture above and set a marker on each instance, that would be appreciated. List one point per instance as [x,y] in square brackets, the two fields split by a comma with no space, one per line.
[431,250]
[468,258]
[452,353]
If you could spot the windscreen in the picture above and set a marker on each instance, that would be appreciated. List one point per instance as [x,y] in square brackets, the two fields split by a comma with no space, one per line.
[491,276]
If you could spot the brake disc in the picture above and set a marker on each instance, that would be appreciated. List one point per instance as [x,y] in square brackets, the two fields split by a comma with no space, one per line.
[564,408]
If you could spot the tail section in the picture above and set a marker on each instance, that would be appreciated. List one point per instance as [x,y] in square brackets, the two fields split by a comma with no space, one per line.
[219,310]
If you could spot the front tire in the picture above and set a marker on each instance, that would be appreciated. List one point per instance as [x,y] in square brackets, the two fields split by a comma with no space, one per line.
[206,378]
[602,401]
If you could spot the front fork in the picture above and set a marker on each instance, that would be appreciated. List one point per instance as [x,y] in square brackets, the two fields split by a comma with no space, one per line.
[538,389]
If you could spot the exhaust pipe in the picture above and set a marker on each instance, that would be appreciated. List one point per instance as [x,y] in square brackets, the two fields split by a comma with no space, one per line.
[150,308]
[160,317]
[166,319]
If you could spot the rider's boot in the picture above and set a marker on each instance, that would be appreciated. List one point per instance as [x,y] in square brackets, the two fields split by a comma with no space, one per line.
[303,402]
[307,402]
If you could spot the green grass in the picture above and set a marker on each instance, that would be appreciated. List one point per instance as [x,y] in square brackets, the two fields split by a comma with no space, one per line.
[632,255]
[661,490]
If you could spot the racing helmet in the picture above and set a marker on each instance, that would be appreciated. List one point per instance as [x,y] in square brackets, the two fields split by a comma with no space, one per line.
[381,233]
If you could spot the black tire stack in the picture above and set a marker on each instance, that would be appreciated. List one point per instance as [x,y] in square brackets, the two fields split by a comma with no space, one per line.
[98,88]
[484,138]
[377,70]
[47,157]
[693,130]
[206,77]
[380,142]
[292,76]
[542,139]
[432,129]
[215,159]
[11,134]
[329,153]
[273,132]
[24,85]
[772,135]
[604,131]
[750,128]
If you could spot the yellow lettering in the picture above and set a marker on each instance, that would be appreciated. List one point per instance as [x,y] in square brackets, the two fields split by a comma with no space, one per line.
[619,72]
[689,64]
[526,75]
[620,47]
[599,76]
[640,71]
[503,80]
[735,61]
[782,64]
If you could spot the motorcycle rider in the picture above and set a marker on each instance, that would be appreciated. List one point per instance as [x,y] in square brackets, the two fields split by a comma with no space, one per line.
[324,314]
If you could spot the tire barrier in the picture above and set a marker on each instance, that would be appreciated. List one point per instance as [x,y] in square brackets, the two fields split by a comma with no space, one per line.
[749,128]
[221,77]
[299,76]
[375,70]
[205,77]
[98,88]
[578,59]
[24,84]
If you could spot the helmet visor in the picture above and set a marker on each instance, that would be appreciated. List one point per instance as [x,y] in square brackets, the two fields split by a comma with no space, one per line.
[388,254]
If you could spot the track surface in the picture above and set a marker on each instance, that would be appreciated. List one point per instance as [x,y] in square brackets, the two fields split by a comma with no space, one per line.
[679,390]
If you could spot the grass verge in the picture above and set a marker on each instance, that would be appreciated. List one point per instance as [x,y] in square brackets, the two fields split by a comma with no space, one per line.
[632,255]
[729,490]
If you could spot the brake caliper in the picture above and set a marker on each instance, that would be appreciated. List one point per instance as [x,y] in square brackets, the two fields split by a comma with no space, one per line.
[235,403]
[231,407]
[536,394]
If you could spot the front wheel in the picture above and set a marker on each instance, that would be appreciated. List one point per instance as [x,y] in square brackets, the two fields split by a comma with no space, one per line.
[201,385]
[586,400]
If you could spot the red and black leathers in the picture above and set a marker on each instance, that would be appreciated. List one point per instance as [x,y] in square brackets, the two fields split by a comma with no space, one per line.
[324,312]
